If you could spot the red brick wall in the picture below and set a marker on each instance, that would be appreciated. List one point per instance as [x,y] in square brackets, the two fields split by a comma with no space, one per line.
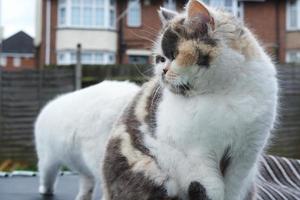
[26,63]
[267,21]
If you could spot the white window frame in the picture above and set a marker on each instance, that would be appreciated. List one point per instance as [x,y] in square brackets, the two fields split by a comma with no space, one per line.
[288,8]
[170,4]
[69,57]
[139,7]
[288,56]
[237,6]
[3,61]
[107,8]
[17,61]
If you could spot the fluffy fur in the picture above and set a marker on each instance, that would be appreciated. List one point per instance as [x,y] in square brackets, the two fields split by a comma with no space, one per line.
[72,130]
[217,104]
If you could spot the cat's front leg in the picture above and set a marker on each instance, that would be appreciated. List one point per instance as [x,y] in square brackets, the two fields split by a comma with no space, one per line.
[239,178]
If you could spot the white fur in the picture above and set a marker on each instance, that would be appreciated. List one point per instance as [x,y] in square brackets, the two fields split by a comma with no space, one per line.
[72,130]
[234,104]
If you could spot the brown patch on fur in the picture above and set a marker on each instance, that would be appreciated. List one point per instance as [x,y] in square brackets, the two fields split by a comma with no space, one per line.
[124,184]
[187,54]
[133,124]
[151,107]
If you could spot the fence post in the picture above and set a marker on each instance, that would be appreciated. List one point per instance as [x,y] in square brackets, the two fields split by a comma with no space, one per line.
[78,69]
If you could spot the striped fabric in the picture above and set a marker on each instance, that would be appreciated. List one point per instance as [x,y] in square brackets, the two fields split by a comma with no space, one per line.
[279,179]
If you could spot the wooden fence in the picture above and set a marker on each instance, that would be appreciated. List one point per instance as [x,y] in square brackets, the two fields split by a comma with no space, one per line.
[23,93]
[286,140]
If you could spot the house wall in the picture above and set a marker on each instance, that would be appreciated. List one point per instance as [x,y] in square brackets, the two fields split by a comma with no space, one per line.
[26,63]
[141,38]
[267,21]
[293,40]
[90,39]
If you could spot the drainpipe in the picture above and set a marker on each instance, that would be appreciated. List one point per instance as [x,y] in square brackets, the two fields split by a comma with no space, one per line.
[278,31]
[48,32]
[121,41]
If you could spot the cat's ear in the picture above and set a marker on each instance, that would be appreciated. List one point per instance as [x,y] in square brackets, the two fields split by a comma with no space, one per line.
[196,9]
[166,15]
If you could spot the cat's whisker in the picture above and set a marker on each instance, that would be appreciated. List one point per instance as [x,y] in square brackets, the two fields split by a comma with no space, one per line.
[141,73]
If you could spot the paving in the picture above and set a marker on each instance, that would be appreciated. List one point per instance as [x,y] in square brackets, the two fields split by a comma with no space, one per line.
[26,188]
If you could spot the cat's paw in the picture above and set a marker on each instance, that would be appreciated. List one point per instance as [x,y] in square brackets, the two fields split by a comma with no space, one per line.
[196,191]
[45,191]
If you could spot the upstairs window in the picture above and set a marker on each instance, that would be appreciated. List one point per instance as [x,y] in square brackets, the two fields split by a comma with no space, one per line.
[87,13]
[293,56]
[134,15]
[170,4]
[232,6]
[293,16]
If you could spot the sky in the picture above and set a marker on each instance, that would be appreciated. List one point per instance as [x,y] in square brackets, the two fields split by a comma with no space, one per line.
[18,15]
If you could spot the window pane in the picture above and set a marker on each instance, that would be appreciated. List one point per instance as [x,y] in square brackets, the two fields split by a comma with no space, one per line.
[17,62]
[138,59]
[75,2]
[112,2]
[111,58]
[293,14]
[86,58]
[170,4]
[100,17]
[87,17]
[99,58]
[62,2]
[228,3]
[134,13]
[100,3]
[75,16]
[112,18]
[62,16]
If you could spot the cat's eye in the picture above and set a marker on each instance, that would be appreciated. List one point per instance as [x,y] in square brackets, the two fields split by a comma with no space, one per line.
[160,59]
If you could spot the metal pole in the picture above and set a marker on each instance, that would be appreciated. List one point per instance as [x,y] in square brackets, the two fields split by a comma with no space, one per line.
[78,69]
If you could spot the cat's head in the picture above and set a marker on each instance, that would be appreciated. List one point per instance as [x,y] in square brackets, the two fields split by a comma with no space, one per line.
[199,51]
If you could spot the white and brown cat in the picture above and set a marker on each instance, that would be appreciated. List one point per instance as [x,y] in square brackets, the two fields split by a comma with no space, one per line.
[198,128]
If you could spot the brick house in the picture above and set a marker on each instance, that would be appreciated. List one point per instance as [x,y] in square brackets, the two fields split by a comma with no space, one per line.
[121,31]
[17,52]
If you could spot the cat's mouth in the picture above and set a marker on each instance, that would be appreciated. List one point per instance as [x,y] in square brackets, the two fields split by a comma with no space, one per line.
[177,88]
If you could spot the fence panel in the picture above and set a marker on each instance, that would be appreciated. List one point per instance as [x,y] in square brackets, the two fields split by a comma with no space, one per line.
[23,94]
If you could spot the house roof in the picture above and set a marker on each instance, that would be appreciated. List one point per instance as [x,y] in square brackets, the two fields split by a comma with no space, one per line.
[20,42]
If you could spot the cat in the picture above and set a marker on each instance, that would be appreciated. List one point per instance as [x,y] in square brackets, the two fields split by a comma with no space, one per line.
[72,131]
[196,130]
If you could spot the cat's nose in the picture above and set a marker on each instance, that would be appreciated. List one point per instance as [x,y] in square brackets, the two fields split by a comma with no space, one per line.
[165,70]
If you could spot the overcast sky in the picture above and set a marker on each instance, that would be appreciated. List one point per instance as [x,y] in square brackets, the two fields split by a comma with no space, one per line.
[18,15]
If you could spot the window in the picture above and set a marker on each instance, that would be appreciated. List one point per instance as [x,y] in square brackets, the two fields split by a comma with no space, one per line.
[138,59]
[232,6]
[87,57]
[87,13]
[293,57]
[3,61]
[62,12]
[293,16]
[134,13]
[17,61]
[170,4]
